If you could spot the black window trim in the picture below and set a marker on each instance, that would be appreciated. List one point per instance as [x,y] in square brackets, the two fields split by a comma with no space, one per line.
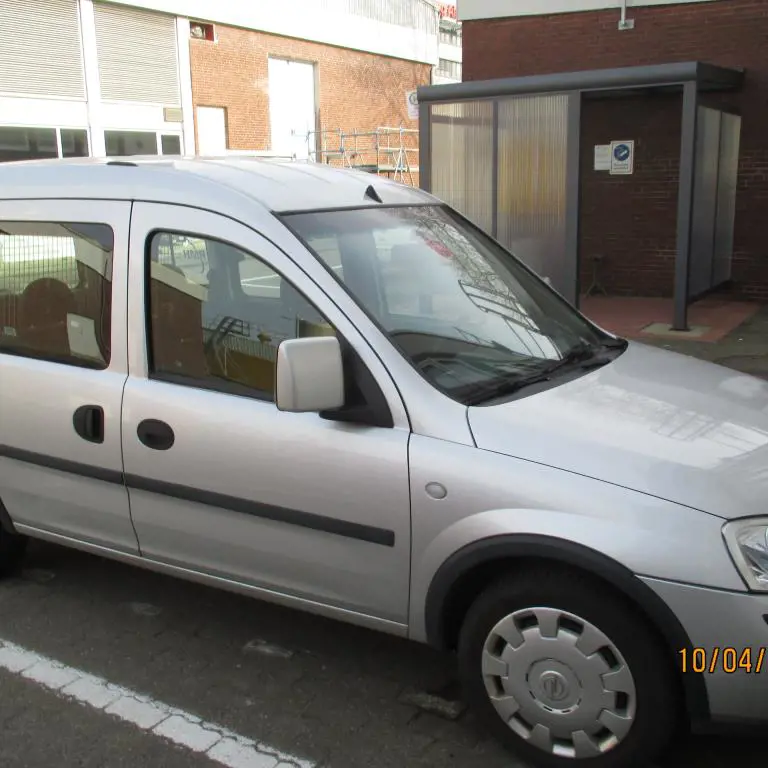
[222,386]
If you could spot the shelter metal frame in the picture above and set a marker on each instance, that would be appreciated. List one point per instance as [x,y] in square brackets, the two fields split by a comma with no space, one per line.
[692,78]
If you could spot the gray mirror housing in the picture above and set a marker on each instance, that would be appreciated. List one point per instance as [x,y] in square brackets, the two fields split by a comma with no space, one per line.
[309,375]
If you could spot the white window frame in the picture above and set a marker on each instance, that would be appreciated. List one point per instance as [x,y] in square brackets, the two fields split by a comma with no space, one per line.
[453,71]
[57,129]
[158,136]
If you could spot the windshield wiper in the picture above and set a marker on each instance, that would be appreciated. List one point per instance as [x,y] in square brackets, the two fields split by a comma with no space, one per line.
[484,392]
[582,356]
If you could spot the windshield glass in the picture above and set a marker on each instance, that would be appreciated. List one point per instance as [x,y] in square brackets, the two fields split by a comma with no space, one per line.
[460,308]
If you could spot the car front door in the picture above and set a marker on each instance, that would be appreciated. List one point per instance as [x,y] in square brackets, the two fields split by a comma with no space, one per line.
[63,365]
[293,504]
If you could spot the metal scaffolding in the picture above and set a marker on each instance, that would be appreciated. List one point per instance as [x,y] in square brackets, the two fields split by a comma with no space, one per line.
[384,151]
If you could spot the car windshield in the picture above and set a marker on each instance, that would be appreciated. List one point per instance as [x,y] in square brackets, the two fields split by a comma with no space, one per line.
[466,314]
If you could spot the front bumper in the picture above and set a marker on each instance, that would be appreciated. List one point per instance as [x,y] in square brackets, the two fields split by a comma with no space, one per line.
[715,619]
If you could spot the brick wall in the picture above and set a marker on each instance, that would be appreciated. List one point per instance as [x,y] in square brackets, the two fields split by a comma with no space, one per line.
[355,90]
[631,220]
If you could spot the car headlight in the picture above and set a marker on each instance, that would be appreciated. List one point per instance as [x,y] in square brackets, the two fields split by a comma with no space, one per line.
[747,542]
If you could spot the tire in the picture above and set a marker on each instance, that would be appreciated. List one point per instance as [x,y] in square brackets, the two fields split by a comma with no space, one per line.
[12,550]
[562,632]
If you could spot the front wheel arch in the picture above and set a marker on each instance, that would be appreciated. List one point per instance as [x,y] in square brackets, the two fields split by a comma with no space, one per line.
[464,575]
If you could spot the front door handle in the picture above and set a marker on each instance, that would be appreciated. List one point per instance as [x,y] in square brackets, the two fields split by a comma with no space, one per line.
[88,421]
[155,434]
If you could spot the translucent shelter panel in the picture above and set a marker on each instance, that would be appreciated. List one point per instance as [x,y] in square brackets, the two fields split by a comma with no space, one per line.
[714,200]
[462,158]
[730,139]
[704,201]
[532,184]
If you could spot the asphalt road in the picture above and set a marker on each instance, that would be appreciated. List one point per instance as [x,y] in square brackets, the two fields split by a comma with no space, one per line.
[320,693]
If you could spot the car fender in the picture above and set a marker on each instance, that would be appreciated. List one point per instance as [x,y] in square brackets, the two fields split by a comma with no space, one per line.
[551,547]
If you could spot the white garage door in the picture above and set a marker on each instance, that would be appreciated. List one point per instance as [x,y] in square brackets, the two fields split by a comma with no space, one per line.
[291,106]
[40,49]
[211,131]
[138,57]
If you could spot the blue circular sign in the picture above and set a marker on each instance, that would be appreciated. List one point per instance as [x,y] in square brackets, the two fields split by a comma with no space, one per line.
[621,152]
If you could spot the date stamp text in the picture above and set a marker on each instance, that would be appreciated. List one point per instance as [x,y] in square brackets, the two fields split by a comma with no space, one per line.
[728,659]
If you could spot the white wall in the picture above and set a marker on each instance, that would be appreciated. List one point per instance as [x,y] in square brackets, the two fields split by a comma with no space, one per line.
[450,52]
[494,9]
[316,20]
[129,116]
[43,113]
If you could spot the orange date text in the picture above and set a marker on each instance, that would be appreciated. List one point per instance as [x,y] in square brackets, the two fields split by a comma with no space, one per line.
[727,659]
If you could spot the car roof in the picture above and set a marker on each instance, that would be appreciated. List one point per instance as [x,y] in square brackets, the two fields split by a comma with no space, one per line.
[216,183]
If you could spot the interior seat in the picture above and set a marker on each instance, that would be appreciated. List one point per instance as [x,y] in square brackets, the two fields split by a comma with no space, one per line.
[43,310]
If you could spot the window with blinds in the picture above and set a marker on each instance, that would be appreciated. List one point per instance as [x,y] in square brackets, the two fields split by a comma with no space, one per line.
[41,51]
[137,55]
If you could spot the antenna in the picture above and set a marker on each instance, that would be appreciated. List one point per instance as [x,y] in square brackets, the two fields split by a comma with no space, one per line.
[372,194]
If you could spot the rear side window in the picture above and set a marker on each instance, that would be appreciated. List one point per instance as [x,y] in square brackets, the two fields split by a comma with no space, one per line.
[56,291]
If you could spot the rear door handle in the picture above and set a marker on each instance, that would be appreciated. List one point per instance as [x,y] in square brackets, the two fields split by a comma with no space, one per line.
[155,434]
[88,421]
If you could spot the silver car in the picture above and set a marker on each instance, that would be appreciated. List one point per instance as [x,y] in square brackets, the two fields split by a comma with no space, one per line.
[331,391]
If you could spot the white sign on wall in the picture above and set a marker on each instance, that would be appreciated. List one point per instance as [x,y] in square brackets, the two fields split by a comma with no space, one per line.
[622,158]
[413,105]
[602,157]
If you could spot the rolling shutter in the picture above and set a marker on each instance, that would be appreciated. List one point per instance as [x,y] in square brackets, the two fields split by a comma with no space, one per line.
[41,52]
[137,55]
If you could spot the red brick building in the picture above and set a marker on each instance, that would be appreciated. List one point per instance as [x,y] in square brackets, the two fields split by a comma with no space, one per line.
[630,220]
[353,89]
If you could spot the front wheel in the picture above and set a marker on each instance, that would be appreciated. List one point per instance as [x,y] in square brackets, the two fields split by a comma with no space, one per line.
[565,673]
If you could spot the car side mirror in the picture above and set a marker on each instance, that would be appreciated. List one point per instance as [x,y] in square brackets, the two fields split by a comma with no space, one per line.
[309,375]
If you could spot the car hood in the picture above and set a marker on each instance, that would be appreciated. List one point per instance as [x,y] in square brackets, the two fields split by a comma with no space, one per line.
[653,421]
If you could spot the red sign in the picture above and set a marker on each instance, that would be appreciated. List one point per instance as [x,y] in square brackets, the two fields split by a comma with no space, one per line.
[447,11]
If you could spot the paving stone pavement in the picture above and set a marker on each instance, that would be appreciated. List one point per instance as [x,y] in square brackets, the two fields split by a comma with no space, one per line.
[744,349]
[332,695]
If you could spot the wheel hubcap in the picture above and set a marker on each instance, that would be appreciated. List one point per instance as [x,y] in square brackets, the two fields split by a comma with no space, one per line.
[559,682]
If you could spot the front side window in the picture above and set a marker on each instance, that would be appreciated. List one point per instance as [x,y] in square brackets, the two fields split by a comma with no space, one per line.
[218,314]
[460,308]
[56,291]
